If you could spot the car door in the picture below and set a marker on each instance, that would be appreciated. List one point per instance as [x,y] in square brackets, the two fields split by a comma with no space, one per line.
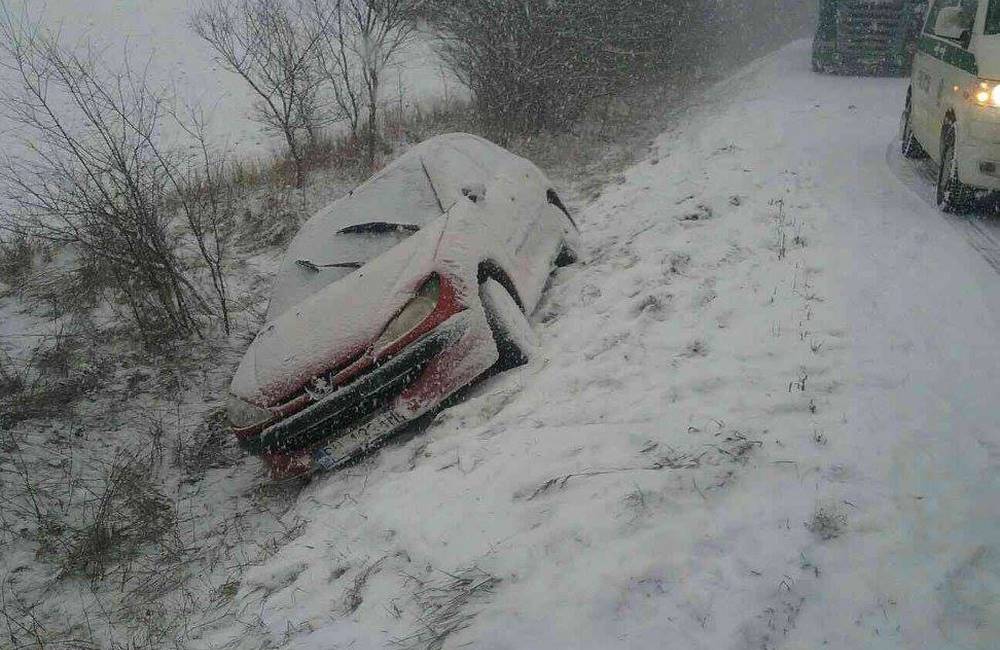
[948,69]
[522,202]
[921,95]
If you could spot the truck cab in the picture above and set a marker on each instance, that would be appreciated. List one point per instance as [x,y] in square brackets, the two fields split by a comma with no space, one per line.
[867,37]
[952,111]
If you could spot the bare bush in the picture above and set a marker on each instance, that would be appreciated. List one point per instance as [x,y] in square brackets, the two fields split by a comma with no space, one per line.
[208,195]
[12,376]
[17,260]
[92,176]
[537,65]
[273,46]
[126,514]
[60,370]
[534,65]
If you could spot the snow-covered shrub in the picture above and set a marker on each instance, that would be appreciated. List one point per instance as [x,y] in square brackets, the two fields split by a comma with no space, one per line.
[359,40]
[126,513]
[537,65]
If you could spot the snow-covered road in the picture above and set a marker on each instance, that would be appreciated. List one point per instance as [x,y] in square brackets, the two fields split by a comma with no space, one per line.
[764,416]
[923,301]
[920,446]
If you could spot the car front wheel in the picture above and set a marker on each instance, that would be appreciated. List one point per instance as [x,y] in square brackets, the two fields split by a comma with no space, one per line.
[952,194]
[512,332]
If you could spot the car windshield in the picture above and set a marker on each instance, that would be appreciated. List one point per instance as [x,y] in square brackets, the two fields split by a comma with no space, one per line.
[387,236]
[350,248]
[968,8]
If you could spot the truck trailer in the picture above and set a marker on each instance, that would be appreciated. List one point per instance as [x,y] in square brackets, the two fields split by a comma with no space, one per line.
[867,37]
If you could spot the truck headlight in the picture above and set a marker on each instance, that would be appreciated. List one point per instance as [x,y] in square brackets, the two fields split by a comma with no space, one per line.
[414,313]
[243,415]
[988,94]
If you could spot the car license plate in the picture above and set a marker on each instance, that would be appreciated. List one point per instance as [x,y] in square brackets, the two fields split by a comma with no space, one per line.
[357,440]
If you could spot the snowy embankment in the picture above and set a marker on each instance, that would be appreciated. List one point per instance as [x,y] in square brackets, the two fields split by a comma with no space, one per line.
[762,416]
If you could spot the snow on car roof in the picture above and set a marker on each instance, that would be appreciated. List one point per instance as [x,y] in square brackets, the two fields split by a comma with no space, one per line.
[403,193]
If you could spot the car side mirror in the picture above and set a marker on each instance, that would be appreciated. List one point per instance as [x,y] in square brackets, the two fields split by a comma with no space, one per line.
[955,24]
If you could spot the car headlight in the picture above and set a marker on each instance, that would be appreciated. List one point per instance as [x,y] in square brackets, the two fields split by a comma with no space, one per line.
[414,313]
[243,415]
[988,94]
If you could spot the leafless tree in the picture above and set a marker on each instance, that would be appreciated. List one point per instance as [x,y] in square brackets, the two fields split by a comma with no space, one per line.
[360,40]
[273,46]
[92,174]
[364,38]
[208,201]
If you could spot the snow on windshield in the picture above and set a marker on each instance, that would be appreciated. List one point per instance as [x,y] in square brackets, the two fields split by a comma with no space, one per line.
[350,232]
[401,194]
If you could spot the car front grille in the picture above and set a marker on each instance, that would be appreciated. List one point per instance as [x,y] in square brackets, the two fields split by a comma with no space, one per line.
[351,404]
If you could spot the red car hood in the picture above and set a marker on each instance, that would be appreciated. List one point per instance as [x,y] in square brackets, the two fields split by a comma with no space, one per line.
[337,325]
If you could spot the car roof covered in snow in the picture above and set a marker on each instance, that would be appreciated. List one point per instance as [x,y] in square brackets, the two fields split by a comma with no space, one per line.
[413,191]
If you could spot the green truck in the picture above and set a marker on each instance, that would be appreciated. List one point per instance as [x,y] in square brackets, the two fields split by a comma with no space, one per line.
[867,37]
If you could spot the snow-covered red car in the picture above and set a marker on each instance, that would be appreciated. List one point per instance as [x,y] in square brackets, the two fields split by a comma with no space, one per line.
[395,297]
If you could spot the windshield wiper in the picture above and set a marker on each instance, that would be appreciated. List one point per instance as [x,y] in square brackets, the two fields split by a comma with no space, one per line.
[316,268]
[378,228]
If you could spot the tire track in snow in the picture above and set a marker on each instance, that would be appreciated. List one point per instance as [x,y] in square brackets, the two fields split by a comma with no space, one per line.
[920,177]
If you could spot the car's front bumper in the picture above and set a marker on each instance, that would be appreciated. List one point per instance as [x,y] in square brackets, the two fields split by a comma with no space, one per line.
[979,154]
[411,383]
[355,402]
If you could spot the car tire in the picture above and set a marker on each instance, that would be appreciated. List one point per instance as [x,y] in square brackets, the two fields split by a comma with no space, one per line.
[515,340]
[952,194]
[909,146]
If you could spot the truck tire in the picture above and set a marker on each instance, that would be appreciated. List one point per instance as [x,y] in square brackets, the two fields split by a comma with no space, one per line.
[909,145]
[512,332]
[952,194]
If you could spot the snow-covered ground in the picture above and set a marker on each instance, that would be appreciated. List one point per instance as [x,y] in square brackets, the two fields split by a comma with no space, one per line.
[762,416]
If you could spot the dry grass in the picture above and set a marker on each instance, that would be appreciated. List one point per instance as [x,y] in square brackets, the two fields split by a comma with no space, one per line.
[444,606]
[211,446]
[61,369]
[828,522]
[126,513]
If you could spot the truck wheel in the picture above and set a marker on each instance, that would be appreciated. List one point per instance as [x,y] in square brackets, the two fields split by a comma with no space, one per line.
[512,332]
[909,146]
[952,194]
